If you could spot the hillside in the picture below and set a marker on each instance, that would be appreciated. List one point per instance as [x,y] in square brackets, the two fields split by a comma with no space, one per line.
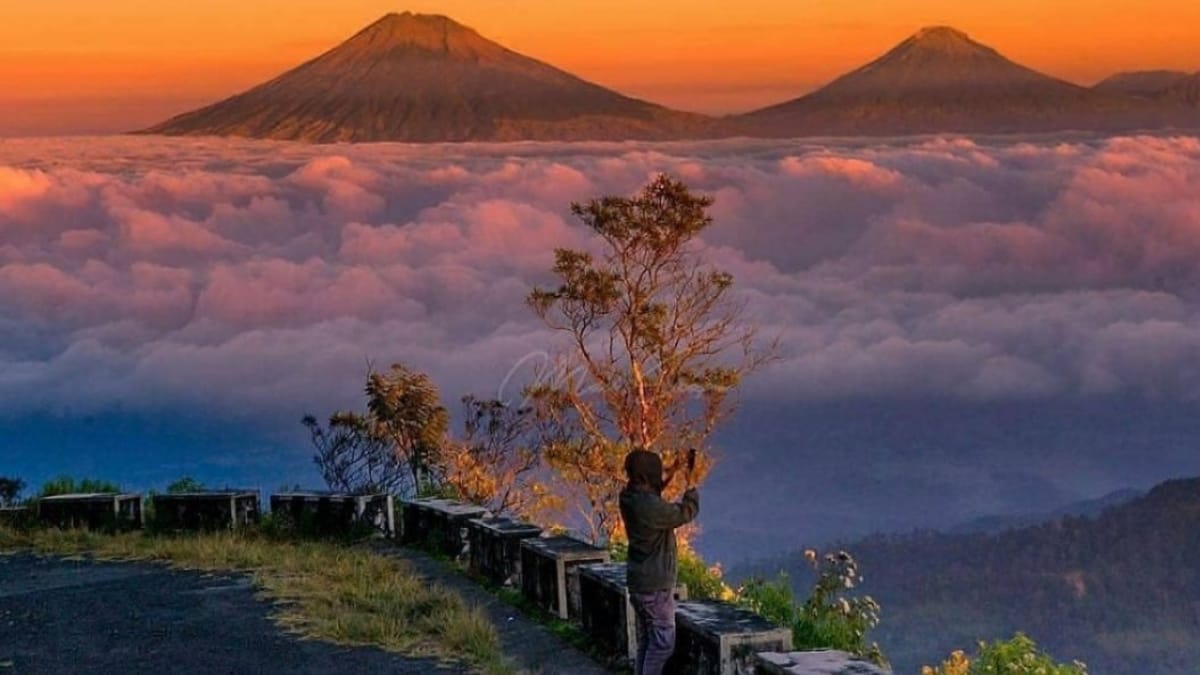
[1089,508]
[425,78]
[1140,83]
[939,79]
[1185,91]
[1120,592]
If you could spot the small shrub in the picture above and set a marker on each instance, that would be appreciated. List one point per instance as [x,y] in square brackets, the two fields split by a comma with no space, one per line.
[703,581]
[277,525]
[829,618]
[1018,656]
[956,664]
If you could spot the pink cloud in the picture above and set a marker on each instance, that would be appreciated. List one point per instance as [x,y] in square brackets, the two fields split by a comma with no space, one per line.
[179,270]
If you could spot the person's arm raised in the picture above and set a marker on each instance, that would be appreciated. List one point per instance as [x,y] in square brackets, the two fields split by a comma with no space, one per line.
[663,515]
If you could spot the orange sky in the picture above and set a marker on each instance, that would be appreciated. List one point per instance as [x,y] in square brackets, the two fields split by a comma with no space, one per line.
[82,66]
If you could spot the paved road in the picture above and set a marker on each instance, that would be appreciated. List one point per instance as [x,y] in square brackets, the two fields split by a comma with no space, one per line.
[76,617]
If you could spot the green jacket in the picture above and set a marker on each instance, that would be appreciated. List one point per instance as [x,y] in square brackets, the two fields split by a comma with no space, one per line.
[650,524]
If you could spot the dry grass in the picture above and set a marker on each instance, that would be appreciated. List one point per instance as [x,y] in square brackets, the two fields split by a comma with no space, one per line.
[341,594]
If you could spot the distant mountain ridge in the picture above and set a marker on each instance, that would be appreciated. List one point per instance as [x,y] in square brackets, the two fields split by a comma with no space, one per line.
[1185,91]
[426,78]
[1140,83]
[1119,591]
[1089,508]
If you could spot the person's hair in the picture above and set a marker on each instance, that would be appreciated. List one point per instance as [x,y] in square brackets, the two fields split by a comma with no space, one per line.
[644,468]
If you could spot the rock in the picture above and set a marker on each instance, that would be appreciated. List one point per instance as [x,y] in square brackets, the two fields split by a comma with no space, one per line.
[824,662]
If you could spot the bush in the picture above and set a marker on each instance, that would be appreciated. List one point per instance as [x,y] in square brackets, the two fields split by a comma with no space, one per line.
[703,581]
[1018,656]
[65,485]
[829,619]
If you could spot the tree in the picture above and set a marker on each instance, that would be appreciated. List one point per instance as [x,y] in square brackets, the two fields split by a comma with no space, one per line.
[65,485]
[493,464]
[656,346]
[10,490]
[404,406]
[354,458]
[184,485]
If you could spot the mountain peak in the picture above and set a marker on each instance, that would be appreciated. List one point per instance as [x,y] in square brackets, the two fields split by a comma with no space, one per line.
[422,32]
[942,41]
[401,22]
[941,34]
[937,79]
[425,77]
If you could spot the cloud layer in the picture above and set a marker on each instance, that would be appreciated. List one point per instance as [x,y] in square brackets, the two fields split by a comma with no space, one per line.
[235,275]
[963,325]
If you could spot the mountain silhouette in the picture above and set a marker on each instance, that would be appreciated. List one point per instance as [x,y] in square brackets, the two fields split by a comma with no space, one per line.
[1140,82]
[939,79]
[1185,91]
[425,78]
[422,78]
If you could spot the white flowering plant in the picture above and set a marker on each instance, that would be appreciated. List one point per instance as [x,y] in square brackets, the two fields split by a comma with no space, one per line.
[831,618]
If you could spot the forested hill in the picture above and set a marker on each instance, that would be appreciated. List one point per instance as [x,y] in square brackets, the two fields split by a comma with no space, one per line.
[1120,591]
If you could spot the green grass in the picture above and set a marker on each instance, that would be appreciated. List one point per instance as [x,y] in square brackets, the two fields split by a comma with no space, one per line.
[568,632]
[325,591]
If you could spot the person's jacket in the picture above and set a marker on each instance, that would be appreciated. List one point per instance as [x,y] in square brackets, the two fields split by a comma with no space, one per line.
[650,523]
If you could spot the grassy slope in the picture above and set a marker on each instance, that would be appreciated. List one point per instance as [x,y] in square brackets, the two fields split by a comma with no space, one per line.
[346,595]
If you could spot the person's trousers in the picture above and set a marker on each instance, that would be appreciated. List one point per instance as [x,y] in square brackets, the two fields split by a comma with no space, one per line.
[655,614]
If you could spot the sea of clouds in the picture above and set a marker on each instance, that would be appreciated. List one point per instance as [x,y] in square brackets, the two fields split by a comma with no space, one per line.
[144,271]
[255,281]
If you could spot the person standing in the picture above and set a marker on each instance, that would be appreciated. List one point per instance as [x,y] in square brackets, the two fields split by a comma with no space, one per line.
[650,523]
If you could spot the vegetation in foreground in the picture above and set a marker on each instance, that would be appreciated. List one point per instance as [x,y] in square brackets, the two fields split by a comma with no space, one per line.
[1018,656]
[342,594]
[831,617]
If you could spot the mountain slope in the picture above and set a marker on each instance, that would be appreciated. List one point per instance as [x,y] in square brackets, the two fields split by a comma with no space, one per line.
[1088,509]
[1185,91]
[411,77]
[1120,592]
[940,79]
[1140,82]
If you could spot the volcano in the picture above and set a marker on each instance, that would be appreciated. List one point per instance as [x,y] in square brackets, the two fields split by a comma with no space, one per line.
[425,78]
[940,80]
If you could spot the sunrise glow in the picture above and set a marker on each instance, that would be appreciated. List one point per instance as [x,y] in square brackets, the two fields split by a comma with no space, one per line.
[78,66]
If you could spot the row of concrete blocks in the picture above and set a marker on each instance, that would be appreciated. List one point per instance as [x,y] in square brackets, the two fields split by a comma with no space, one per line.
[322,512]
[566,577]
[576,581]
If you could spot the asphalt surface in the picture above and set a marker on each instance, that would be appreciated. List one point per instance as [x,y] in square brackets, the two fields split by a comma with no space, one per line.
[60,616]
